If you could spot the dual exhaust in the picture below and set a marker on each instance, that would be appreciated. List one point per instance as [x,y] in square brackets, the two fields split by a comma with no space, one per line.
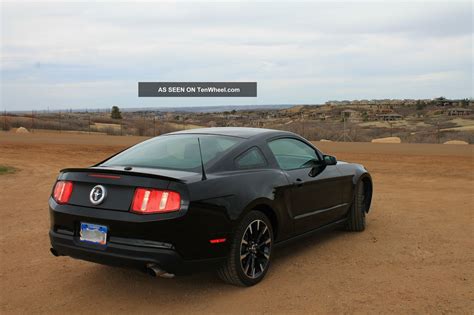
[152,269]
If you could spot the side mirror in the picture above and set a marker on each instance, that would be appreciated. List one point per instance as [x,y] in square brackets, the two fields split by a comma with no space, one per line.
[330,160]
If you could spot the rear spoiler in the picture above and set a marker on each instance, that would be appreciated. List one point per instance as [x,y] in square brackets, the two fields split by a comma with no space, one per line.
[97,170]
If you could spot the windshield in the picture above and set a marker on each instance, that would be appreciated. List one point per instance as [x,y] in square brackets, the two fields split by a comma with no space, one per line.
[178,152]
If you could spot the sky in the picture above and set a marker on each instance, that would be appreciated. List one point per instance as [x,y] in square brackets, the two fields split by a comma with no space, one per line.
[62,55]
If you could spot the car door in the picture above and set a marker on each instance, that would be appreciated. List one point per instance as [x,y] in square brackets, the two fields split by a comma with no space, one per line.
[315,190]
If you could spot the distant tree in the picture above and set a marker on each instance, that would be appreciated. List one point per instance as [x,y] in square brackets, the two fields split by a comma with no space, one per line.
[115,113]
[465,102]
[5,124]
[233,112]
[212,123]
[365,116]
[420,105]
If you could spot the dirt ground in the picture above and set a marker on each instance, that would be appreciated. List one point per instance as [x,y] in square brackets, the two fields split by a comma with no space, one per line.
[416,255]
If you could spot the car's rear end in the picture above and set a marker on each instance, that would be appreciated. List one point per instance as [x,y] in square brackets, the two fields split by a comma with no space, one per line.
[136,216]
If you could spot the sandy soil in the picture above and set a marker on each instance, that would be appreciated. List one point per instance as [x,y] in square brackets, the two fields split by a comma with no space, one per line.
[416,256]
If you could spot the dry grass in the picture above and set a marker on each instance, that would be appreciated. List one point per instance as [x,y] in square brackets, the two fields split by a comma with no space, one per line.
[463,128]
[103,126]
[179,126]
[7,170]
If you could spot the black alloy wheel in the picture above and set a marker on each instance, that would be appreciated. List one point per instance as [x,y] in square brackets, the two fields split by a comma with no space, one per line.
[250,252]
[255,249]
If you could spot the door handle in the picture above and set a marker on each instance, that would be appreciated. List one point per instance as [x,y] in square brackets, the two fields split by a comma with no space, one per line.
[298,182]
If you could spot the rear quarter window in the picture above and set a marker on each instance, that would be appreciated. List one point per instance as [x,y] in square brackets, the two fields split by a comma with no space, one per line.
[252,158]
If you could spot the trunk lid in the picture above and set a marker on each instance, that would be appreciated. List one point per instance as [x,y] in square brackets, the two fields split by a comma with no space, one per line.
[120,185]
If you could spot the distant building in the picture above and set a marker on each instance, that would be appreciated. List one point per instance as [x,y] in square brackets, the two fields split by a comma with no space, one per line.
[324,116]
[384,110]
[271,115]
[350,115]
[390,117]
[445,102]
[459,112]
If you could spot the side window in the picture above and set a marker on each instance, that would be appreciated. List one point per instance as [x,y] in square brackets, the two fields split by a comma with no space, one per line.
[252,158]
[292,153]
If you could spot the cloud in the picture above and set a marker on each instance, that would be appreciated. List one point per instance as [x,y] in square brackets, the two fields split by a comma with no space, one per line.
[83,54]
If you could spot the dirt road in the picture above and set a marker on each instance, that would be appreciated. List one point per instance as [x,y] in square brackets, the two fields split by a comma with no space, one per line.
[416,256]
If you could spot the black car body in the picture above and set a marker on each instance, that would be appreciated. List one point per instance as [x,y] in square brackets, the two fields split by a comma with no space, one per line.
[254,174]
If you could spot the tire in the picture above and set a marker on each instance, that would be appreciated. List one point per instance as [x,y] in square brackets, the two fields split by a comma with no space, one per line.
[250,253]
[356,219]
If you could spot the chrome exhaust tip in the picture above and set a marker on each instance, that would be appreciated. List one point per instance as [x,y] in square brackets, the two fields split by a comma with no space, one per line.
[155,271]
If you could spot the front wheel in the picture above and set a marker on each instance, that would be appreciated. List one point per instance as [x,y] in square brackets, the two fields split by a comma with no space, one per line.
[356,220]
[250,253]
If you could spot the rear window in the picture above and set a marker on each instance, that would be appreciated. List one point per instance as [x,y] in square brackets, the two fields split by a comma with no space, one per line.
[179,152]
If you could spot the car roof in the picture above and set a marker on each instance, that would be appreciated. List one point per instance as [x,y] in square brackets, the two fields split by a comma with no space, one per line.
[241,132]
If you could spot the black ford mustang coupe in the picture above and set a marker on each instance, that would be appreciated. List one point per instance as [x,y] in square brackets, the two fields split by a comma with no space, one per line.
[218,196]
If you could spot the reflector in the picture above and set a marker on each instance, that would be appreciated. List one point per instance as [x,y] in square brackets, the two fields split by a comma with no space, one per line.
[217,240]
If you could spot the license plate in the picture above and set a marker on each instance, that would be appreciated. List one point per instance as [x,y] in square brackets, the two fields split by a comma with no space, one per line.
[93,233]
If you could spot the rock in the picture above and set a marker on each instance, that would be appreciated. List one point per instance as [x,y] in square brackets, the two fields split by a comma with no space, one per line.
[387,140]
[456,142]
[22,130]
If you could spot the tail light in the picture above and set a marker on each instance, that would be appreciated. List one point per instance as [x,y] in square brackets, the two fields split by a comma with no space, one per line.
[148,200]
[62,191]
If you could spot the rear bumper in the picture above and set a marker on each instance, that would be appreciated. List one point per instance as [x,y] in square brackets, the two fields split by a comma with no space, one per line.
[174,244]
[122,255]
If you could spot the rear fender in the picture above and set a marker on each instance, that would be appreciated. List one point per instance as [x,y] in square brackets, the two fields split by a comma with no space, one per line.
[281,222]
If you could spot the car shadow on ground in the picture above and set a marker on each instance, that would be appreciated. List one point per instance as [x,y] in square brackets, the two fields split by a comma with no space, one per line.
[283,256]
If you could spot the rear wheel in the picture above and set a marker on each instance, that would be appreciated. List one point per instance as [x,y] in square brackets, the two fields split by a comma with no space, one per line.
[356,220]
[250,253]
